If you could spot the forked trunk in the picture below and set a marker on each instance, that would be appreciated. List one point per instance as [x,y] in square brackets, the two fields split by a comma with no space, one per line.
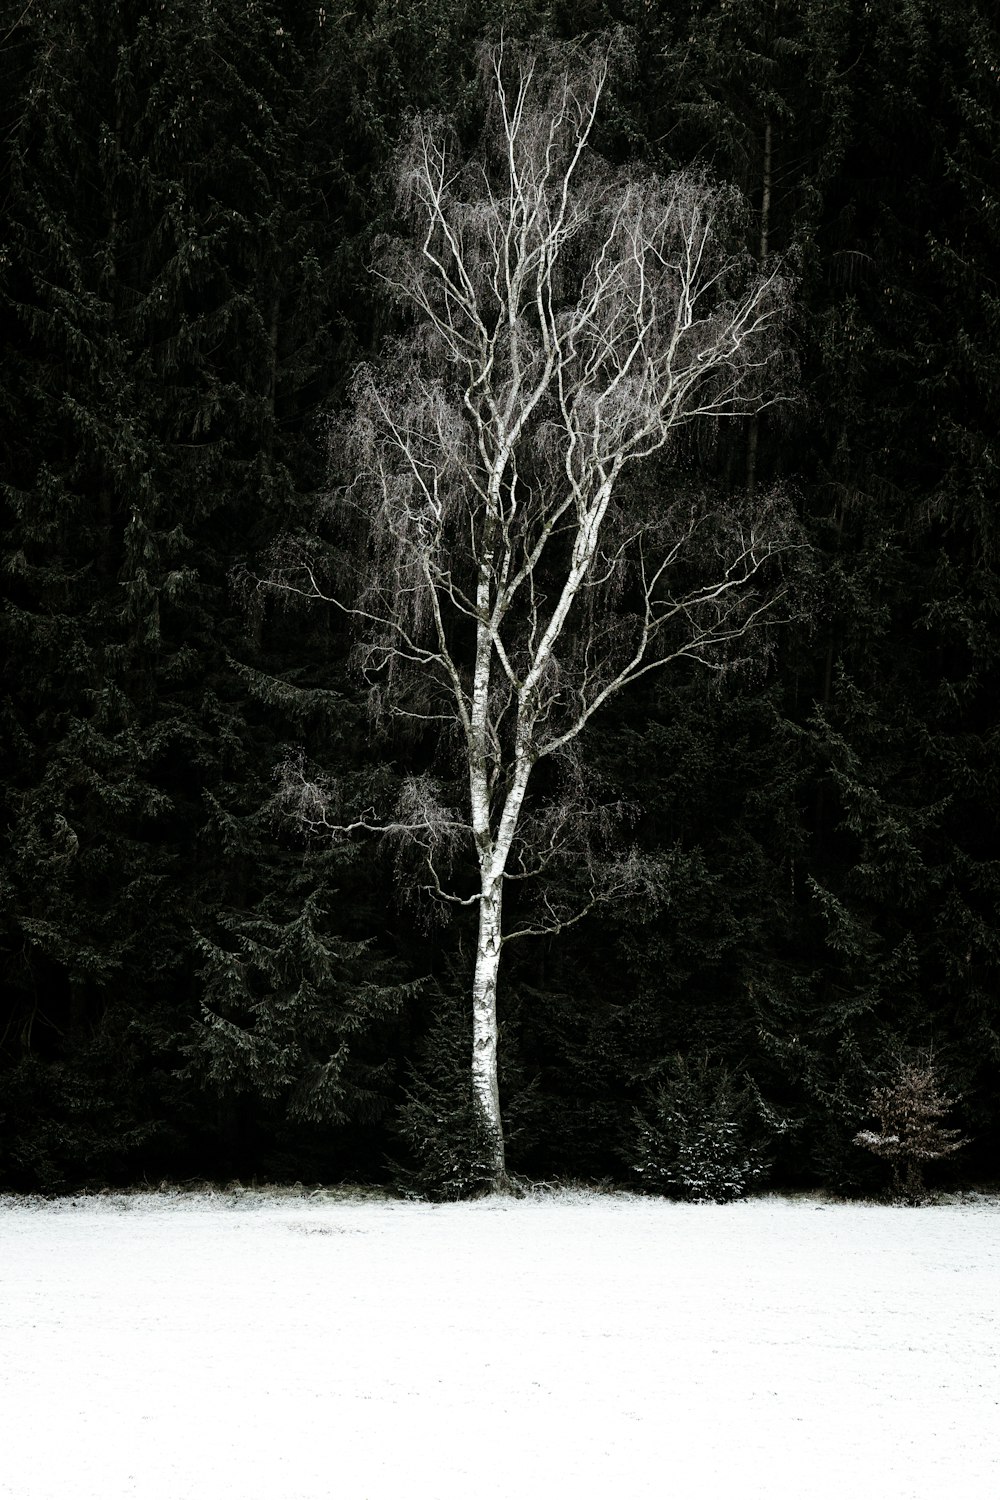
[485,1087]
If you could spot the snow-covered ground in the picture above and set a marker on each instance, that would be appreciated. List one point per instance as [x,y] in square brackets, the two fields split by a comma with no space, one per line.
[217,1347]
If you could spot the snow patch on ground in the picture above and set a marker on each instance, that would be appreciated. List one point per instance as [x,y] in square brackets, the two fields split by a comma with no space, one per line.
[256,1346]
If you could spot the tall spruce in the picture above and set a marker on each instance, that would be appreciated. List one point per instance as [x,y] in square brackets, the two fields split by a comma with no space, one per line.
[175,279]
[833,895]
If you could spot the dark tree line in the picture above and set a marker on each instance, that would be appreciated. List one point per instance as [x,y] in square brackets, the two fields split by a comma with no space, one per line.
[190,200]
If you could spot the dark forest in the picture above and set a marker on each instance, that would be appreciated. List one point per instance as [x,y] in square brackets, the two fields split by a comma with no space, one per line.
[193,987]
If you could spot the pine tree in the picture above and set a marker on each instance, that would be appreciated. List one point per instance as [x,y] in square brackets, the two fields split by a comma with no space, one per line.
[832,827]
[178,306]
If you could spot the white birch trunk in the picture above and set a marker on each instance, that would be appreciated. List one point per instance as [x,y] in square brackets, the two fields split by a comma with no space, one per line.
[485,1084]
[493,856]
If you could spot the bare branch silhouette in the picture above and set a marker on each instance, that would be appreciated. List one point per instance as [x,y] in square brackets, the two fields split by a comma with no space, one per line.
[569,320]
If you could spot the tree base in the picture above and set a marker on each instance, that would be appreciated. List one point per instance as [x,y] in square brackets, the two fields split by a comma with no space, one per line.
[505,1186]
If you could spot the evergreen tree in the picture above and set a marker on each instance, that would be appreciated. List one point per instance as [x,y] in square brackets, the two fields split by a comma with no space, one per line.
[831,830]
[176,291]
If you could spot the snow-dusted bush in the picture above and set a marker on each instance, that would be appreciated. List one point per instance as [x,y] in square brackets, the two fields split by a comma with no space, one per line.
[451,1150]
[698,1133]
[447,1153]
[909,1110]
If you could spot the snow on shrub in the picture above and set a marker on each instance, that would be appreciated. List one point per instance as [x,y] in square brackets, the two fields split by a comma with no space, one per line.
[698,1134]
[908,1110]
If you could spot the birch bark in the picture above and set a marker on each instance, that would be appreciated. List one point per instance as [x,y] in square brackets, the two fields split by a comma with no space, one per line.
[485,1076]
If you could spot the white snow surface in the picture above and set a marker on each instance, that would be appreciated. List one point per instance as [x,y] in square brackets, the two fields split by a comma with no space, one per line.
[250,1346]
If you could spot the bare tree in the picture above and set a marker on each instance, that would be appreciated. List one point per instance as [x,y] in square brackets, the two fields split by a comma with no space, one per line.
[569,321]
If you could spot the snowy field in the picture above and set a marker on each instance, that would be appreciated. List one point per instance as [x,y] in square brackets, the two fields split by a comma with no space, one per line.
[290,1348]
